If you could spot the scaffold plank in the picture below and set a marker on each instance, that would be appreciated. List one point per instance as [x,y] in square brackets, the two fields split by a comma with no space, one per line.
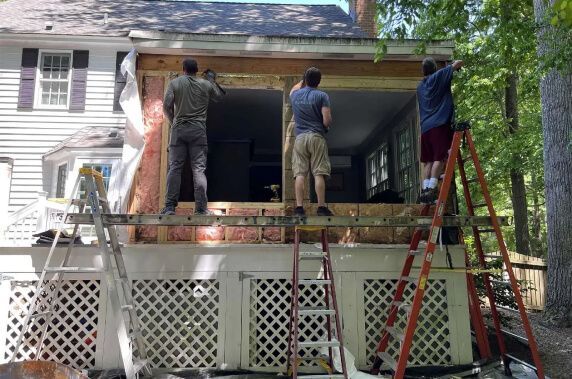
[281,221]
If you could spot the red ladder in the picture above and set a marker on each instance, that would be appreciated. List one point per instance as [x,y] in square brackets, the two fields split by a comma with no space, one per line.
[413,310]
[329,310]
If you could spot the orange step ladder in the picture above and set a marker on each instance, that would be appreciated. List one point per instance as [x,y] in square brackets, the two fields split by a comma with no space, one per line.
[389,331]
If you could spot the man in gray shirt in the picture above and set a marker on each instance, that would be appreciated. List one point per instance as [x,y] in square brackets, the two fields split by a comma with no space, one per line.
[312,115]
[185,105]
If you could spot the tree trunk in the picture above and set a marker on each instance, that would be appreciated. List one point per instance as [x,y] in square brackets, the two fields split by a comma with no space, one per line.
[536,241]
[518,188]
[556,95]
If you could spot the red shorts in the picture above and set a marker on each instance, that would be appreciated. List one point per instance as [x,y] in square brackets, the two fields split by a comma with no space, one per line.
[435,143]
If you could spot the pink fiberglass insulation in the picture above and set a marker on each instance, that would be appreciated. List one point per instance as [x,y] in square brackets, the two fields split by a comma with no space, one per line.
[243,234]
[147,190]
[272,234]
[181,233]
[210,233]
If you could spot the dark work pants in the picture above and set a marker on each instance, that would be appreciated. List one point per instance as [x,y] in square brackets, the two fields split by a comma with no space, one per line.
[187,141]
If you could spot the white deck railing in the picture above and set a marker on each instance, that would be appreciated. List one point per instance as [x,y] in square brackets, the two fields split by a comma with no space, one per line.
[40,215]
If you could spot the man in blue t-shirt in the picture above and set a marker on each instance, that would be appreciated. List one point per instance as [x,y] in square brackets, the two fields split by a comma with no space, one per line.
[436,112]
[313,118]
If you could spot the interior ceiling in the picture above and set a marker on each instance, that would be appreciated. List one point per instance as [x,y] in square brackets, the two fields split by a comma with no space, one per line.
[257,115]
[356,114]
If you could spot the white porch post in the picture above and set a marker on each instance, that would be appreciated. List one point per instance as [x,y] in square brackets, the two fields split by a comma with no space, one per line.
[6,165]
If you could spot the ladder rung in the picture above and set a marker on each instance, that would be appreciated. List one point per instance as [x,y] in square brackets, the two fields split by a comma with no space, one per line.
[41,314]
[139,364]
[315,281]
[323,376]
[403,305]
[416,253]
[479,205]
[135,333]
[410,279]
[487,230]
[324,357]
[319,344]
[73,269]
[520,338]
[387,359]
[316,311]
[312,255]
[395,332]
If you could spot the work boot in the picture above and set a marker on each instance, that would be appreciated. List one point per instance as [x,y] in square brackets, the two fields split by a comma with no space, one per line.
[299,211]
[423,196]
[431,196]
[168,211]
[204,212]
[324,211]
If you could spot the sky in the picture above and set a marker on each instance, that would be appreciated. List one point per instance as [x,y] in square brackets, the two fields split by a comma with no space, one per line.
[341,3]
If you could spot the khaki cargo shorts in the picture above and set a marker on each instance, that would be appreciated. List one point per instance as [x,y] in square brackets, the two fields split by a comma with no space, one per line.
[310,151]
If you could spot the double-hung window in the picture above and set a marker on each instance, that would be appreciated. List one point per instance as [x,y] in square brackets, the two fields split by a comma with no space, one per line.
[378,171]
[53,87]
[405,167]
[105,171]
[61,181]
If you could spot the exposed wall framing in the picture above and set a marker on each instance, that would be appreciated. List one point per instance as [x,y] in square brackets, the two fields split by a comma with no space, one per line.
[252,73]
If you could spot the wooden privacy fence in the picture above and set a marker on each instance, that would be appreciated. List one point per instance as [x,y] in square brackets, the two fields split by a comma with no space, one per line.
[533,271]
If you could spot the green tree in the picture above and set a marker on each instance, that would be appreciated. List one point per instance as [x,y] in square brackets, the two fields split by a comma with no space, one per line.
[555,49]
[497,91]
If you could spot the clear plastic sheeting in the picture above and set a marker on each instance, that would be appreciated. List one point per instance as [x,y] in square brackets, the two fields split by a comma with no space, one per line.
[134,141]
[518,370]
[353,372]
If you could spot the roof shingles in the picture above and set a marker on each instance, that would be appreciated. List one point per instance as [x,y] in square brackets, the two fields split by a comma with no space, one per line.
[86,17]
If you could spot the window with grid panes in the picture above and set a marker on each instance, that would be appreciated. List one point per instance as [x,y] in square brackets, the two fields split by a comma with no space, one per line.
[54,79]
[61,183]
[405,167]
[104,169]
[378,171]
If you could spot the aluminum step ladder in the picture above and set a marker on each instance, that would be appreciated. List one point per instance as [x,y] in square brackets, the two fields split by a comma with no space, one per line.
[412,310]
[328,311]
[119,288]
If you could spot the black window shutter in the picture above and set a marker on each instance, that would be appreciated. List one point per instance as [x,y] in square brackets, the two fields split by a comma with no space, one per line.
[79,80]
[120,80]
[28,78]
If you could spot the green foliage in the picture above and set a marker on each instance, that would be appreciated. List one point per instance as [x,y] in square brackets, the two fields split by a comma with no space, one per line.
[559,17]
[562,13]
[504,296]
[494,38]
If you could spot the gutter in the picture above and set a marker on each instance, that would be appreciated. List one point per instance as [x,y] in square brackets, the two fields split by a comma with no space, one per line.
[171,43]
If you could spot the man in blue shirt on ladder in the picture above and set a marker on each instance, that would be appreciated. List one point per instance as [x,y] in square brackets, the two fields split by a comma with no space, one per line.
[436,113]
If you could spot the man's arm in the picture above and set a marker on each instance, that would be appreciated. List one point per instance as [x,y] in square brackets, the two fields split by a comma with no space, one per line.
[457,65]
[216,92]
[326,111]
[169,104]
[296,87]
[327,117]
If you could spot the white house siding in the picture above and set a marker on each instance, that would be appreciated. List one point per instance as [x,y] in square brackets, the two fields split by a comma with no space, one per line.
[26,135]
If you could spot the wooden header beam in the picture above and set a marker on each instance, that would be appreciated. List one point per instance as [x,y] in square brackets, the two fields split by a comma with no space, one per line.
[281,221]
[284,66]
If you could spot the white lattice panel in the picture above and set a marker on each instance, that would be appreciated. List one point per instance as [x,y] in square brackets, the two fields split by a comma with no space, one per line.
[269,317]
[431,342]
[72,332]
[179,320]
